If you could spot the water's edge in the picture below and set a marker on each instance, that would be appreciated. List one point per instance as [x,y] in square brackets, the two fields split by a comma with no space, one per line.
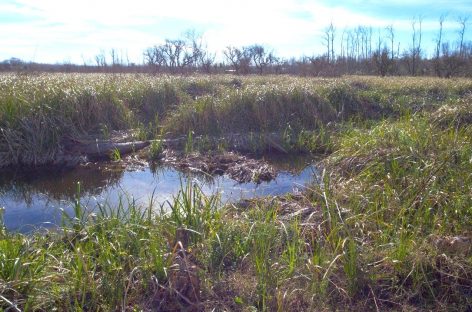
[37,200]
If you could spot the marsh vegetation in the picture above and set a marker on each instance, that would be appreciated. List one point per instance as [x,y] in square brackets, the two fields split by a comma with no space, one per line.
[386,226]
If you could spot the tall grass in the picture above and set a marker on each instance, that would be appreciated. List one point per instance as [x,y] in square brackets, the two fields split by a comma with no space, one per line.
[405,187]
[40,113]
[115,259]
[387,227]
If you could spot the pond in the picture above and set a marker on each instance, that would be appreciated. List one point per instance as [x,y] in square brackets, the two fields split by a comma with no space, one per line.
[37,200]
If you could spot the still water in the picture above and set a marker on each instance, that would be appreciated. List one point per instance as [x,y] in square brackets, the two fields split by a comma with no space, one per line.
[37,200]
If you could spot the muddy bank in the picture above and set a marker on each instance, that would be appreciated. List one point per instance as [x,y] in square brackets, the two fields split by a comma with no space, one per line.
[121,150]
[95,147]
[92,148]
[73,151]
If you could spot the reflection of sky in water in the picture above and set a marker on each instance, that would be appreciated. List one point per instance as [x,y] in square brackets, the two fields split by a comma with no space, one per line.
[39,202]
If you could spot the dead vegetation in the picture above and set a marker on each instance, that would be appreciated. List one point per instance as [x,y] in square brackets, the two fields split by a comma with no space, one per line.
[238,167]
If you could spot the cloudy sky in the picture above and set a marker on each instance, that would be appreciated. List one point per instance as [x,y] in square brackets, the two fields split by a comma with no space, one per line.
[57,31]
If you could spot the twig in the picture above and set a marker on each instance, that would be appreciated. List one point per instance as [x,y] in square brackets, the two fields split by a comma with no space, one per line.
[375,300]
[12,305]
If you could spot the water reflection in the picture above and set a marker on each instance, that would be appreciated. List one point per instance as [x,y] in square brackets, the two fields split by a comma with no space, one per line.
[289,163]
[58,184]
[38,199]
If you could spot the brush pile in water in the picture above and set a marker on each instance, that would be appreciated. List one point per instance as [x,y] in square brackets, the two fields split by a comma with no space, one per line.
[237,167]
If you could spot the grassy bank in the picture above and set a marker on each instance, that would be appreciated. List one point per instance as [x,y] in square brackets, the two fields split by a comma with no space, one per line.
[388,227]
[40,113]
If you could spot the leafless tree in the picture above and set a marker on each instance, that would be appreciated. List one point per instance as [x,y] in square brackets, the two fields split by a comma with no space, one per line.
[440,34]
[239,59]
[155,57]
[100,59]
[114,57]
[370,41]
[379,42]
[382,61]
[200,57]
[391,37]
[357,43]
[462,20]
[437,62]
[342,43]
[415,52]
[260,57]
[176,54]
[328,41]
[233,55]
[451,62]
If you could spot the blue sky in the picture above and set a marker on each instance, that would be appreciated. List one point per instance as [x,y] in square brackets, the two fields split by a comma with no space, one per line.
[75,31]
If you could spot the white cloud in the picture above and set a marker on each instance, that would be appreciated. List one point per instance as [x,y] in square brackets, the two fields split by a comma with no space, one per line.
[61,30]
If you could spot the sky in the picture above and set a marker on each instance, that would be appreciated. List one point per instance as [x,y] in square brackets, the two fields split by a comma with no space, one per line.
[61,31]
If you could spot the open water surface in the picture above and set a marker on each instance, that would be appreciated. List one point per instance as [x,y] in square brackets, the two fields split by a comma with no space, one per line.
[37,200]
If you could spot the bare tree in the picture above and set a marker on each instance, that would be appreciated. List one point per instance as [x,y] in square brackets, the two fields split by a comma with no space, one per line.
[360,50]
[128,63]
[379,42]
[415,52]
[440,34]
[342,43]
[451,62]
[357,43]
[232,55]
[156,57]
[100,59]
[239,59]
[391,37]
[200,57]
[114,57]
[370,41]
[260,57]
[176,54]
[333,31]
[462,20]
[350,44]
[437,61]
[149,56]
[328,40]
[382,61]
[206,61]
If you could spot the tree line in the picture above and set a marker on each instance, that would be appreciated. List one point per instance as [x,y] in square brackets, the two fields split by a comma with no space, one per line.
[359,50]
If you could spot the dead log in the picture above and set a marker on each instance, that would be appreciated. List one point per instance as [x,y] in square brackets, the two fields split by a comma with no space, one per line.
[235,141]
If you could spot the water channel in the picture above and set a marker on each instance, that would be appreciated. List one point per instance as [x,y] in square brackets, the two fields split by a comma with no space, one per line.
[30,201]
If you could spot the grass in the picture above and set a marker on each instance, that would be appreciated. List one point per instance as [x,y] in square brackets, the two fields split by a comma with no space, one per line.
[117,258]
[388,226]
[40,113]
[406,185]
